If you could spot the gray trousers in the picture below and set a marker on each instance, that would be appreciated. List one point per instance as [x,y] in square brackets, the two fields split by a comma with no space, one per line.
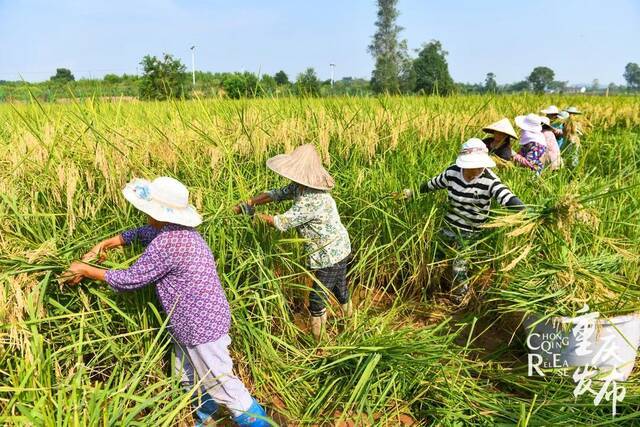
[210,366]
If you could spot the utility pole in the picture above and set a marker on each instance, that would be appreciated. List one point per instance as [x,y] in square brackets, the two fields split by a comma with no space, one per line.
[193,65]
[333,67]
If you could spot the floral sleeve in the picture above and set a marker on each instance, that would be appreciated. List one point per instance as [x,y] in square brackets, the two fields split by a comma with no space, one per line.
[149,268]
[285,193]
[144,235]
[300,213]
[534,156]
[521,161]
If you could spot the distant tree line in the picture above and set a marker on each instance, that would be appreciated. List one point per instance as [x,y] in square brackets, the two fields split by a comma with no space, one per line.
[395,71]
[166,77]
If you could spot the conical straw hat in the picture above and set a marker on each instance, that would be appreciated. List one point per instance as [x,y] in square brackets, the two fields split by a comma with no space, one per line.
[503,126]
[304,166]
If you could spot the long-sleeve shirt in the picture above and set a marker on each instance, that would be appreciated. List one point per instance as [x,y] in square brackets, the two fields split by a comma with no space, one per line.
[558,130]
[534,153]
[522,161]
[553,151]
[470,202]
[180,263]
[315,215]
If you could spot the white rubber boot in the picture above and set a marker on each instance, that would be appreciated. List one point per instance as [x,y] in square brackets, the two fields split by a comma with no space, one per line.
[317,325]
[347,309]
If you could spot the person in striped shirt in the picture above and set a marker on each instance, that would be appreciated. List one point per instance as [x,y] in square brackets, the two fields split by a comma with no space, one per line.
[471,186]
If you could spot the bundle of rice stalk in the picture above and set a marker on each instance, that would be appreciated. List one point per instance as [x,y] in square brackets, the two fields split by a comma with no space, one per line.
[565,260]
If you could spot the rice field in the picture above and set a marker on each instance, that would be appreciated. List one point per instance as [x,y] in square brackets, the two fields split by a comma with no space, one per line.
[88,356]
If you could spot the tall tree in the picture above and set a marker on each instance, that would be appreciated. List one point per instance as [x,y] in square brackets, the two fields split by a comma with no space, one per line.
[308,83]
[540,78]
[632,75]
[281,78]
[490,84]
[63,75]
[388,52]
[407,77]
[162,78]
[432,70]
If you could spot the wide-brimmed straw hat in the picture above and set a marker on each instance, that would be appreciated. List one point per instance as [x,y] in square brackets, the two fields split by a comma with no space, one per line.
[573,110]
[551,109]
[304,166]
[474,154]
[545,121]
[164,199]
[531,122]
[563,115]
[503,126]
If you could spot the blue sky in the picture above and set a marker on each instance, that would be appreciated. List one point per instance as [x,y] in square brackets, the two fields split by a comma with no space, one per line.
[579,39]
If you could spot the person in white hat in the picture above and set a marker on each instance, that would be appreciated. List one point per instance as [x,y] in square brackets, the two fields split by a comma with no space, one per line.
[180,264]
[552,156]
[551,111]
[532,143]
[554,115]
[499,143]
[573,110]
[471,185]
[315,216]
[572,133]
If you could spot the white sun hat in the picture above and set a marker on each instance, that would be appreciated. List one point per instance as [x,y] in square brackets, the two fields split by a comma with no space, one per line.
[164,199]
[531,122]
[551,109]
[502,126]
[474,154]
[304,166]
[563,115]
[545,121]
[573,110]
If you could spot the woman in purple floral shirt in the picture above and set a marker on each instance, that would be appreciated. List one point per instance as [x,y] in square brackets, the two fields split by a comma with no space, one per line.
[533,145]
[179,262]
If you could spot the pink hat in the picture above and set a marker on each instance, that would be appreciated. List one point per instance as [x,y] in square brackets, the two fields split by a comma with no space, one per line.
[530,122]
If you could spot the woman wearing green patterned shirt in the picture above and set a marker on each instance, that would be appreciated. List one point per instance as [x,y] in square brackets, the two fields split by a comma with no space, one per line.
[315,216]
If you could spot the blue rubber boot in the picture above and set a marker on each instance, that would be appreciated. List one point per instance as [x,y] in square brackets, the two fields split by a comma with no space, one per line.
[206,409]
[254,417]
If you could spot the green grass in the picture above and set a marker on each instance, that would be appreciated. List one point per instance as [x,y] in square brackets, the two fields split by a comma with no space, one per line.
[89,356]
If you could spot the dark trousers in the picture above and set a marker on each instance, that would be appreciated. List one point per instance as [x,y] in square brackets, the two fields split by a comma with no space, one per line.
[453,244]
[333,279]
